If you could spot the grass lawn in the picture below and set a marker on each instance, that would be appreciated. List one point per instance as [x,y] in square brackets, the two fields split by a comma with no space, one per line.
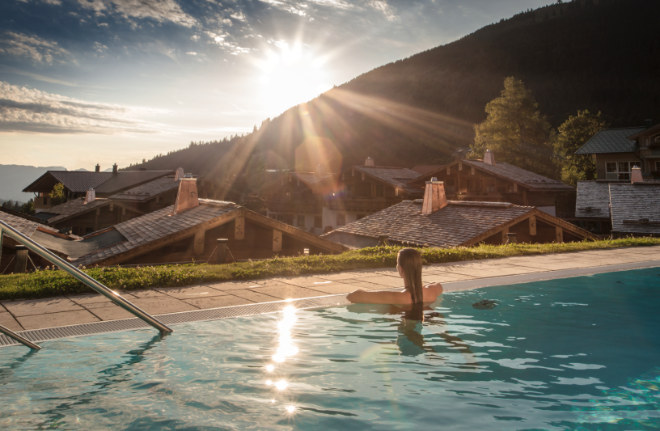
[47,283]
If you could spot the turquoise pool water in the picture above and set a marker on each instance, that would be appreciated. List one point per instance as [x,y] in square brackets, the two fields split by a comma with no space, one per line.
[580,353]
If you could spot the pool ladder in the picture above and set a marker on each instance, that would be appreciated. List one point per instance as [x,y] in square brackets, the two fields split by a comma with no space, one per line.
[6,229]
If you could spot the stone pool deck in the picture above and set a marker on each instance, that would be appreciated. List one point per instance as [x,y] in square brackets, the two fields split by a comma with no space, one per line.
[23,315]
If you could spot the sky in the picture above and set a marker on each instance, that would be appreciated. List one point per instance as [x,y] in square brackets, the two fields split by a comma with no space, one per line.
[118,81]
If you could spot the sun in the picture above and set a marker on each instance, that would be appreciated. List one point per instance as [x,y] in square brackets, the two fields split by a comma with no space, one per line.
[290,74]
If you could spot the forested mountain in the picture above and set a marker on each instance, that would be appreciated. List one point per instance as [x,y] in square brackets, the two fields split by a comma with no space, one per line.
[601,55]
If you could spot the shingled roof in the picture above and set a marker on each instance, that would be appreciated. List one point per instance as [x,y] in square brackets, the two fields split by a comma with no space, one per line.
[396,177]
[635,208]
[146,191]
[145,231]
[42,234]
[459,223]
[592,200]
[75,181]
[103,182]
[24,226]
[73,208]
[611,141]
[528,179]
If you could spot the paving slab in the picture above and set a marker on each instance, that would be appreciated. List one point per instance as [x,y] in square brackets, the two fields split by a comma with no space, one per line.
[190,292]
[334,287]
[251,295]
[89,298]
[41,306]
[288,291]
[217,301]
[9,322]
[62,318]
[110,312]
[162,305]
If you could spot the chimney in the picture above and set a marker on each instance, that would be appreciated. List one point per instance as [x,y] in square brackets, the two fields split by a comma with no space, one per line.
[90,196]
[369,162]
[114,169]
[186,198]
[434,196]
[489,157]
[97,168]
[178,174]
[636,175]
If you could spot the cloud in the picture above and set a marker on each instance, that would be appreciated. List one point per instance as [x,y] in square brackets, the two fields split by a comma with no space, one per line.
[158,10]
[223,40]
[384,8]
[33,47]
[29,110]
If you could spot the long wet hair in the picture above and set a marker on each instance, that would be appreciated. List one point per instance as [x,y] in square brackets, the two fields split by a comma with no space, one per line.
[410,260]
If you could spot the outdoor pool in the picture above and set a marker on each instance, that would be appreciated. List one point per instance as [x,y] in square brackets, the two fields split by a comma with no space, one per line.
[580,353]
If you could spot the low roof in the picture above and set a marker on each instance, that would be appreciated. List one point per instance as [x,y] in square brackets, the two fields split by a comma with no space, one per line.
[592,200]
[611,141]
[76,181]
[42,234]
[127,179]
[635,207]
[23,225]
[146,191]
[459,223]
[397,177]
[161,227]
[73,208]
[140,231]
[528,179]
[102,182]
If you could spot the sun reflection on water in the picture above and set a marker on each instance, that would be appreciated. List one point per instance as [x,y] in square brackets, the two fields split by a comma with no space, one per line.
[284,350]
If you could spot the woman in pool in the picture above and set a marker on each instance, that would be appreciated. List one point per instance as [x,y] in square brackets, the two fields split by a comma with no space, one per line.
[409,264]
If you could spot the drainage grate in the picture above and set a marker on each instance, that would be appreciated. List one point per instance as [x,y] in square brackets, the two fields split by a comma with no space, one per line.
[39,335]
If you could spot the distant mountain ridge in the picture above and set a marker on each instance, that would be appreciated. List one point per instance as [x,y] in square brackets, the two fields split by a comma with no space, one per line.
[602,55]
[14,178]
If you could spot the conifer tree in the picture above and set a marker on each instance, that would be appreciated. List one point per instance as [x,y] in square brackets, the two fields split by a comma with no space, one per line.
[516,131]
[572,134]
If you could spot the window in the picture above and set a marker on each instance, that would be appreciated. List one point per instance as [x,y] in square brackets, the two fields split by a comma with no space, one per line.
[318,222]
[657,165]
[619,170]
[341,219]
[300,220]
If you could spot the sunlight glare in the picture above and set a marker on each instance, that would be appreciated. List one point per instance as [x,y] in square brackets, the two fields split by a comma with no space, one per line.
[286,346]
[290,74]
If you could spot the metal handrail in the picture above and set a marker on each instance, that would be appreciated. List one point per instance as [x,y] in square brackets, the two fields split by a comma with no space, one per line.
[81,276]
[22,340]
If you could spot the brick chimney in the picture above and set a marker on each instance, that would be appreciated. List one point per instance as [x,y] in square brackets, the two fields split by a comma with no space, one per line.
[90,196]
[489,157]
[186,198]
[434,196]
[369,162]
[97,168]
[178,174]
[114,169]
[636,175]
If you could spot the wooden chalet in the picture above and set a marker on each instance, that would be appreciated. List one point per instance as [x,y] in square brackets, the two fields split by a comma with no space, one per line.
[617,151]
[78,183]
[366,189]
[438,222]
[487,180]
